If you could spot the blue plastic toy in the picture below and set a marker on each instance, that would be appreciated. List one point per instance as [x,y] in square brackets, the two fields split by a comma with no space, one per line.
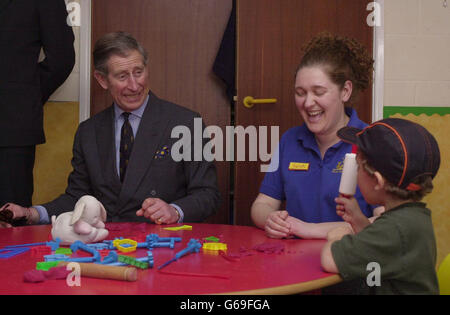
[154,241]
[96,257]
[11,252]
[56,257]
[192,247]
[53,244]
[14,250]
[111,258]
[150,261]
[99,246]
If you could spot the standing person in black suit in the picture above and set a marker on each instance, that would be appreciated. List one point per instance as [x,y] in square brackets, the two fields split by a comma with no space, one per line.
[137,128]
[26,26]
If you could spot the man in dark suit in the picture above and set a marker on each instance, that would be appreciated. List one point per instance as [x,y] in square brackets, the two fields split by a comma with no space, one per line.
[26,26]
[122,155]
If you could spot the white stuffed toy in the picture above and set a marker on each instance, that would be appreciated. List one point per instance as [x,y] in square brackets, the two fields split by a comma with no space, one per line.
[85,223]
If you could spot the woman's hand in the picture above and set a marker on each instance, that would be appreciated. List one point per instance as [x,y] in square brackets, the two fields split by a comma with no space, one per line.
[276,225]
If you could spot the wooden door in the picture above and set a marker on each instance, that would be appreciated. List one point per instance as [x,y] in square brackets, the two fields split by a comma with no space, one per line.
[182,38]
[270,36]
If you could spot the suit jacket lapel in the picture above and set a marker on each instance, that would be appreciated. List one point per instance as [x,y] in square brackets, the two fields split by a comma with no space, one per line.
[147,142]
[106,148]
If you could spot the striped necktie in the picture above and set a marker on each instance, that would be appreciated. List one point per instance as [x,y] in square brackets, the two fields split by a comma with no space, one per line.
[126,145]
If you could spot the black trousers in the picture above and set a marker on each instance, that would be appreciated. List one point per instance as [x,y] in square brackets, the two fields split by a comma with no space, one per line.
[16,175]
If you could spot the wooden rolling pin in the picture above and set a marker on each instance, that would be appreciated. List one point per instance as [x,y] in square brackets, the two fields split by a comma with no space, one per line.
[105,272]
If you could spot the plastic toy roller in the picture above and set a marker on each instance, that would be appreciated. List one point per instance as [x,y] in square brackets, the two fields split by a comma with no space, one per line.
[347,186]
[105,272]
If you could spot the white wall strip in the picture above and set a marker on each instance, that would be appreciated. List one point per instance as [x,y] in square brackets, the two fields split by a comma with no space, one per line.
[378,53]
[85,60]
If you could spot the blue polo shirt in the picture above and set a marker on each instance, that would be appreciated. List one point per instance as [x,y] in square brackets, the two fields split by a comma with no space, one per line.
[310,194]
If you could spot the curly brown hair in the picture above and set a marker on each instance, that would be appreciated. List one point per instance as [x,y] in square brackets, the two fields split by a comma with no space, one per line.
[344,59]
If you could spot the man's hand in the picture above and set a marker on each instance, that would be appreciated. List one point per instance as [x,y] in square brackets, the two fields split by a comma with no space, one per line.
[6,217]
[11,213]
[158,211]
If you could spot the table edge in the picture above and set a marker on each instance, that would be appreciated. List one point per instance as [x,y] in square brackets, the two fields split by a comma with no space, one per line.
[291,288]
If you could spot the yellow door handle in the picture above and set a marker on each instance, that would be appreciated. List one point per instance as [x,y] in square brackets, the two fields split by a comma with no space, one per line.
[249,101]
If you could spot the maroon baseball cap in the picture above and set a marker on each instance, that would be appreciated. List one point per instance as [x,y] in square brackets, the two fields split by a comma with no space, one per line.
[399,149]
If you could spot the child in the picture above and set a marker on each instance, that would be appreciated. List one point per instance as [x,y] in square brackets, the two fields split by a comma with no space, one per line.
[396,254]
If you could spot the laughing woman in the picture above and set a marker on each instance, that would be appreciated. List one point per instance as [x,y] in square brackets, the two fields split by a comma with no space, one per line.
[331,74]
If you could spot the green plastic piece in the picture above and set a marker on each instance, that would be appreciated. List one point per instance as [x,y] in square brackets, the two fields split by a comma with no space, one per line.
[212,239]
[132,261]
[64,251]
[46,265]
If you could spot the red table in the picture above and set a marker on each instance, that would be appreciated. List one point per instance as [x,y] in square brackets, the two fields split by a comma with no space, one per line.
[297,269]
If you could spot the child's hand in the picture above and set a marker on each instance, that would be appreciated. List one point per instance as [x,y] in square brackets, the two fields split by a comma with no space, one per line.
[276,225]
[338,233]
[378,211]
[348,208]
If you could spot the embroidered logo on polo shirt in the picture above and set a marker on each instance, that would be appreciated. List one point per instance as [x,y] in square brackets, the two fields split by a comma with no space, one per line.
[339,167]
[298,166]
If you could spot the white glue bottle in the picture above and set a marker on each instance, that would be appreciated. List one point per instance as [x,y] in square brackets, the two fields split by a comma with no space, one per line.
[347,187]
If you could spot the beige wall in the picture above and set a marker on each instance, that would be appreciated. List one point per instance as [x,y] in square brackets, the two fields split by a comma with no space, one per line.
[61,118]
[69,91]
[417,53]
[52,166]
[417,74]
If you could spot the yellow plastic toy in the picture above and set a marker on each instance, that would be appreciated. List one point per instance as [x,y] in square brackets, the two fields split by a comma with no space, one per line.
[444,276]
[215,246]
[179,228]
[125,245]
